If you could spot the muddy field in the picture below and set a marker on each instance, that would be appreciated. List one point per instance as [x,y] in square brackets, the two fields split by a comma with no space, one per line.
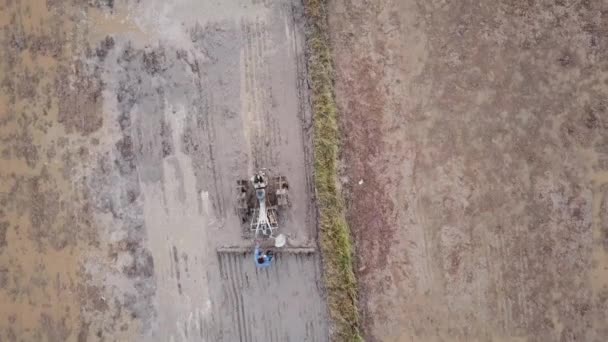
[123,129]
[479,131]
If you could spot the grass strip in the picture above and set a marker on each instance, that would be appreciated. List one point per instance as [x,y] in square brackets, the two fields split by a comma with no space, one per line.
[334,237]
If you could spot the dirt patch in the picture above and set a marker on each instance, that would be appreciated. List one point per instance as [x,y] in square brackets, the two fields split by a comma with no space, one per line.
[3,228]
[603,224]
[481,149]
[80,92]
[104,47]
[4,277]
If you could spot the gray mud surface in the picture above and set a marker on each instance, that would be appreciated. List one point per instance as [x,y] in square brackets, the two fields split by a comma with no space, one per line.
[123,129]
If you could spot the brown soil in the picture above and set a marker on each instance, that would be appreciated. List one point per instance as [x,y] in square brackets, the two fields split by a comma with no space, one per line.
[475,166]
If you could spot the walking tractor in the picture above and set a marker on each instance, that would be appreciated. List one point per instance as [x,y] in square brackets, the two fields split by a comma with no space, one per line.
[261,203]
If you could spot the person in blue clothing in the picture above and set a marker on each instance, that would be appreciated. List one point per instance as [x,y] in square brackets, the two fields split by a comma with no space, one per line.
[262,259]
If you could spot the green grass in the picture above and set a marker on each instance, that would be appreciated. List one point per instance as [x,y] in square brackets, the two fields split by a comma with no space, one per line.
[335,242]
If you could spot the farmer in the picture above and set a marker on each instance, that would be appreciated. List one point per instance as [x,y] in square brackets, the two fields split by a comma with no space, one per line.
[262,259]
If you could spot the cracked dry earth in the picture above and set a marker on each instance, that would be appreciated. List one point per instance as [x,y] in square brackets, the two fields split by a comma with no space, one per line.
[480,131]
[123,129]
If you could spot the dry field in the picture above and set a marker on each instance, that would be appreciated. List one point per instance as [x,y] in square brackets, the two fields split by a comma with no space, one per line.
[480,132]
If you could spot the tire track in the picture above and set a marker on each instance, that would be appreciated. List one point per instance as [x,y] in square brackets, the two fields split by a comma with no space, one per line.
[211,136]
[207,136]
[306,124]
[250,92]
[266,130]
[271,118]
[303,111]
[265,134]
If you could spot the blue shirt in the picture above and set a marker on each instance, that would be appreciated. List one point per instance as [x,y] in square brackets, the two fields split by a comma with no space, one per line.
[257,254]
